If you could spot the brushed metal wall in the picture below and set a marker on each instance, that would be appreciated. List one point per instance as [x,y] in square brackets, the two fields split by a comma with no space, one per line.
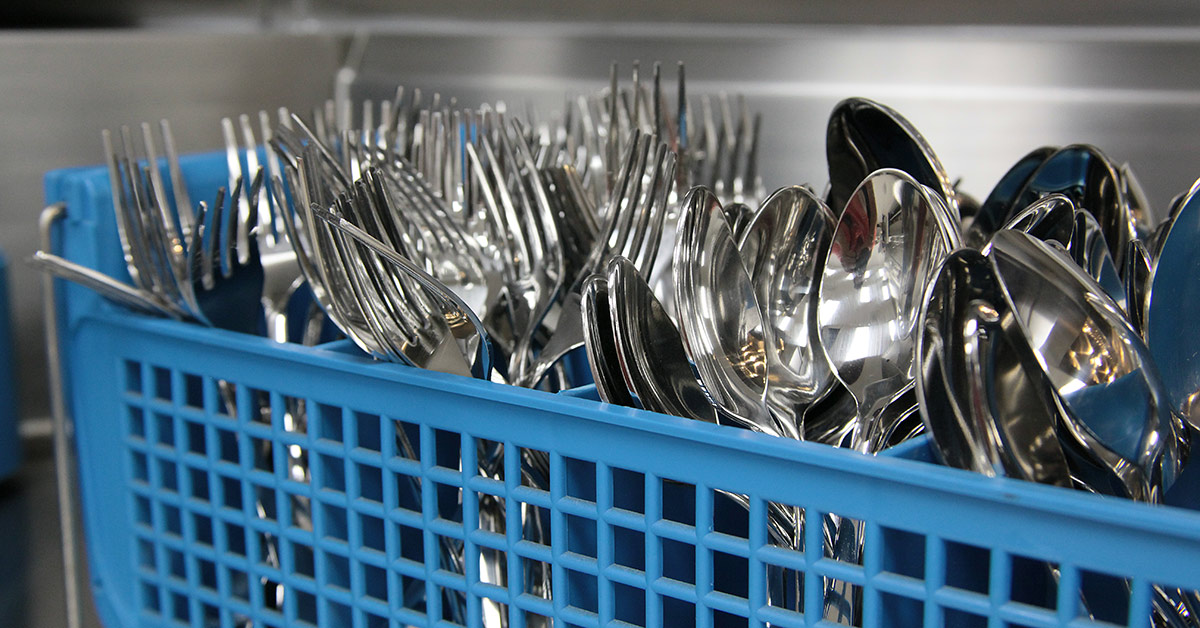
[59,89]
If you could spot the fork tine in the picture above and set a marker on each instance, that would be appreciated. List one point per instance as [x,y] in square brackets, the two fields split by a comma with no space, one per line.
[230,231]
[259,198]
[183,204]
[650,241]
[242,206]
[125,228]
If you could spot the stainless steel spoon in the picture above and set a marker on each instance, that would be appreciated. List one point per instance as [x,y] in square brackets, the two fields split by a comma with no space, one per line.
[986,402]
[889,242]
[783,249]
[722,325]
[1112,399]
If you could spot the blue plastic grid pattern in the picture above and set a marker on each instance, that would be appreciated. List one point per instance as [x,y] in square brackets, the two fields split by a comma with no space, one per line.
[199,512]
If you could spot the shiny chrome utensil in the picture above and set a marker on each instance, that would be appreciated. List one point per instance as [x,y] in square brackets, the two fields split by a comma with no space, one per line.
[888,243]
[653,361]
[783,249]
[1086,176]
[1050,219]
[1001,204]
[864,136]
[1114,405]
[1091,253]
[1171,330]
[601,341]
[723,329]
[985,400]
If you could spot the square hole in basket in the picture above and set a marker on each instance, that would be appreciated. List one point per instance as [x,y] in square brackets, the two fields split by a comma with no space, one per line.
[150,601]
[133,376]
[491,513]
[227,446]
[239,584]
[408,493]
[265,504]
[903,552]
[581,591]
[679,502]
[295,415]
[629,548]
[302,560]
[231,493]
[629,604]
[1105,596]
[535,467]
[1034,582]
[454,607]
[729,515]
[196,441]
[678,561]
[729,573]
[581,536]
[493,566]
[235,539]
[141,467]
[785,526]
[299,512]
[264,454]
[897,610]
[447,547]
[847,534]
[296,458]
[533,620]
[580,480]
[210,615]
[967,566]
[137,422]
[162,383]
[268,550]
[168,476]
[164,429]
[412,543]
[306,605]
[408,440]
[172,520]
[329,422]
[175,565]
[370,482]
[334,520]
[629,490]
[146,554]
[336,615]
[490,455]
[179,608]
[372,533]
[193,391]
[337,570]
[260,405]
[203,528]
[721,619]
[678,613]
[535,526]
[366,431]
[330,473]
[375,582]
[449,502]
[537,576]
[206,571]
[954,618]
[142,511]
[226,399]
[374,621]
[785,587]
[447,449]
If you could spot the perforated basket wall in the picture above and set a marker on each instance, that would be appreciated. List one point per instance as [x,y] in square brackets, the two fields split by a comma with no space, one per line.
[229,481]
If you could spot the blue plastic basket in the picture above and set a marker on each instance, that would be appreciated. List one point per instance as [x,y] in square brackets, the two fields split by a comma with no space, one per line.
[10,440]
[193,518]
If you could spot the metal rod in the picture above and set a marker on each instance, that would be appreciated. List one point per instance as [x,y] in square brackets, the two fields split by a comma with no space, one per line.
[62,435]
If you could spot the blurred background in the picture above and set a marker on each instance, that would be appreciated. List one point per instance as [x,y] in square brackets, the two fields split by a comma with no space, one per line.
[985,82]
